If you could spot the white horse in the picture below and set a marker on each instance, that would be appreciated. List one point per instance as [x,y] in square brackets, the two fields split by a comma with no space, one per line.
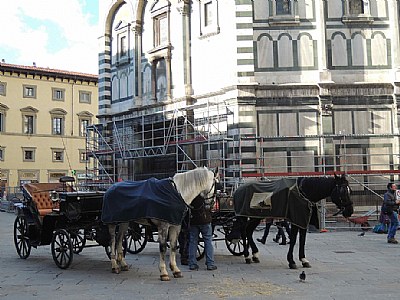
[200,181]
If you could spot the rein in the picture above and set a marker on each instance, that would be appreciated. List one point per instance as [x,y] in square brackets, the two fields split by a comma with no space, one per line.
[303,195]
[212,187]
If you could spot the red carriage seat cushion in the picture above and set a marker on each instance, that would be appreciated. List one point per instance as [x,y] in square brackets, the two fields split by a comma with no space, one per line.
[40,194]
[43,202]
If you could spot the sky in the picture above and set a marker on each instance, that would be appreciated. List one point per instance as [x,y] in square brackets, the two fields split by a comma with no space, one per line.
[56,34]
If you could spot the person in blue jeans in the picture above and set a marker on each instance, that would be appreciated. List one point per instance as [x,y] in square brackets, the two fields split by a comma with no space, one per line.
[200,222]
[390,207]
[281,234]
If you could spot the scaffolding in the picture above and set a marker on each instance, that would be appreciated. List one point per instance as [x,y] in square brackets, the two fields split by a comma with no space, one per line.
[174,140]
[143,144]
[206,135]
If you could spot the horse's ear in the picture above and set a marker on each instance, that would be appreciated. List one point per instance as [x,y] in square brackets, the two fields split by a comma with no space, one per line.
[216,172]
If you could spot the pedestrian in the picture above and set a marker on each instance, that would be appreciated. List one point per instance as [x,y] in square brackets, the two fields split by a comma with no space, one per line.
[200,222]
[268,223]
[281,234]
[390,206]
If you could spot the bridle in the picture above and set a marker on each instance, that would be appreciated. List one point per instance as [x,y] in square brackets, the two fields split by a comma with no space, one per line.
[213,186]
[343,199]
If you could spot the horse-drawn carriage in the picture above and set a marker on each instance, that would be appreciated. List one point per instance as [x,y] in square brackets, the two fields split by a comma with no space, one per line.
[57,215]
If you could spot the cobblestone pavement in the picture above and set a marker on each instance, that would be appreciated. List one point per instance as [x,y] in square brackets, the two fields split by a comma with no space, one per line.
[344,266]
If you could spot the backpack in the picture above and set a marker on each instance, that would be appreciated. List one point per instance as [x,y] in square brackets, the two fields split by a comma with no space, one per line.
[380,228]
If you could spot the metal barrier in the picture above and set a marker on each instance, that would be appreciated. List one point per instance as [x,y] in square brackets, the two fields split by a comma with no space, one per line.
[9,197]
[367,206]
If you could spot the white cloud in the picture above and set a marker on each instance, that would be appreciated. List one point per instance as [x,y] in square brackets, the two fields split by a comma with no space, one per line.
[32,43]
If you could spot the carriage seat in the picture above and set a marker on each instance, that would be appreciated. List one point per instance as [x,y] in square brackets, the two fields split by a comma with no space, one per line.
[40,195]
[43,202]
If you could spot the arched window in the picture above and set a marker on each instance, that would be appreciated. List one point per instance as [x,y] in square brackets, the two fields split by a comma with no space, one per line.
[57,121]
[29,115]
[85,119]
[3,109]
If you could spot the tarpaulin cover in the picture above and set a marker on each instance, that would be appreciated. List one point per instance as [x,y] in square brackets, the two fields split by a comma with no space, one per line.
[277,199]
[147,199]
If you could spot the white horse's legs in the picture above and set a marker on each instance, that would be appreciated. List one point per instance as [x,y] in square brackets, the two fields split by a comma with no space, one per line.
[114,265]
[123,228]
[168,232]
[173,239]
[162,239]
[305,263]
[118,262]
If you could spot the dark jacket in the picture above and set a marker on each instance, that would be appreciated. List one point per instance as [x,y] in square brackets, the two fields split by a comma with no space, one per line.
[201,212]
[389,202]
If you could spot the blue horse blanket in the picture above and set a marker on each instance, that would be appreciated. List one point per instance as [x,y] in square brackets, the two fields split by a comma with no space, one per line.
[147,199]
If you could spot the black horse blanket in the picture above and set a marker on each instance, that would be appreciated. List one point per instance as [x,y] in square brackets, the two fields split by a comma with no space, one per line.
[147,199]
[275,199]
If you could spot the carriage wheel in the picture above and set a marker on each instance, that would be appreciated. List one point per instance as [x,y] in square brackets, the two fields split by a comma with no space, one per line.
[136,238]
[237,247]
[78,241]
[61,249]
[124,248]
[200,250]
[21,239]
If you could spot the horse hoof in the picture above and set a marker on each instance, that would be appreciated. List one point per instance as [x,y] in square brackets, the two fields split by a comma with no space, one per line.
[178,275]
[306,265]
[115,270]
[256,260]
[125,268]
[164,278]
[292,266]
[248,261]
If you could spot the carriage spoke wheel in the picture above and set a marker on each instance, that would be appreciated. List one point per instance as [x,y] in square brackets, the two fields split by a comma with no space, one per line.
[78,241]
[237,247]
[21,239]
[136,239]
[61,249]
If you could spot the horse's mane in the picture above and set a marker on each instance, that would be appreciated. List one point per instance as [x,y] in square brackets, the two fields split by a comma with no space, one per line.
[191,183]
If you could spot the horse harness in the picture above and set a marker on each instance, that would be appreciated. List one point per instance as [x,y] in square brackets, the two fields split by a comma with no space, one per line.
[343,203]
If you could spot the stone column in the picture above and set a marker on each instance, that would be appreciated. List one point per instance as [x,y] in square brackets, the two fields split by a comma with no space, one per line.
[138,63]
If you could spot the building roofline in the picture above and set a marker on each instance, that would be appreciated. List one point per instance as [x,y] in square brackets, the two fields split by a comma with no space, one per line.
[33,70]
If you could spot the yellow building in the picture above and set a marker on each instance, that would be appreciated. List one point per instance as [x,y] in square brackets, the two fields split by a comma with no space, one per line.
[43,118]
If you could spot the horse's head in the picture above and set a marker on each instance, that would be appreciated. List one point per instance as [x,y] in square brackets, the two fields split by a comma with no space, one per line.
[197,182]
[341,196]
[211,186]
